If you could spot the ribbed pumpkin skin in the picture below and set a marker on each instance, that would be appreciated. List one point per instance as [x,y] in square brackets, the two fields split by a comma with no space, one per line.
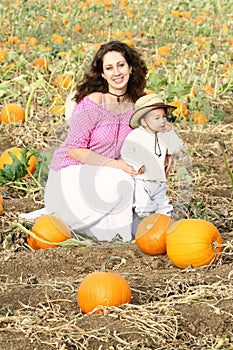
[5,158]
[192,242]
[103,289]
[151,234]
[50,228]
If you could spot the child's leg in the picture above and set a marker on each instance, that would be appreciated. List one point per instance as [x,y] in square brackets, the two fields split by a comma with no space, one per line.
[141,198]
[150,197]
[159,197]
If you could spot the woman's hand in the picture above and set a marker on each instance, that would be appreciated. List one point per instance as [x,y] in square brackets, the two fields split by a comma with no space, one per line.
[87,156]
[168,164]
[121,164]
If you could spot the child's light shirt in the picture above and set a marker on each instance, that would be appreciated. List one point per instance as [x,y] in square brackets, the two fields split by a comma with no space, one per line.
[139,149]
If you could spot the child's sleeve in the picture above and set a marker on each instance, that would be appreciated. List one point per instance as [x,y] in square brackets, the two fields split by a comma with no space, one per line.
[173,142]
[130,152]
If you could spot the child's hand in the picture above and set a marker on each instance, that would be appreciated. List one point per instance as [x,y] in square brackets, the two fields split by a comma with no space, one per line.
[167,127]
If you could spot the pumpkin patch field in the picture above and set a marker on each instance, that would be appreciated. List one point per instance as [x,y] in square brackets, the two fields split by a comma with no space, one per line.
[172,287]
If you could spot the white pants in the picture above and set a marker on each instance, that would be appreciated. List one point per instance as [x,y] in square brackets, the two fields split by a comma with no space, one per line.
[150,197]
[96,200]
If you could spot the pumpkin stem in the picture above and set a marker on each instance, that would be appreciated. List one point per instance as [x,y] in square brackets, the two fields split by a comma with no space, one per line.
[69,243]
[106,263]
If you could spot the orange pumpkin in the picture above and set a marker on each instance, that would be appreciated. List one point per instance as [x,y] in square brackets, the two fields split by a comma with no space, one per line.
[50,228]
[63,81]
[5,158]
[129,42]
[199,117]
[12,113]
[33,41]
[181,110]
[151,234]
[59,109]
[123,3]
[56,38]
[3,54]
[149,91]
[194,242]
[42,63]
[100,289]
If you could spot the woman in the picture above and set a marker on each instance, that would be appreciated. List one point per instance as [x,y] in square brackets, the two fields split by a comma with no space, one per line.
[89,186]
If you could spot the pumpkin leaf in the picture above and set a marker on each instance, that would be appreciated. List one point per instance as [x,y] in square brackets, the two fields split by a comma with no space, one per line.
[18,169]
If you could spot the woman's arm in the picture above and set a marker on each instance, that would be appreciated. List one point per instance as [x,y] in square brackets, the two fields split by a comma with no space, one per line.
[87,156]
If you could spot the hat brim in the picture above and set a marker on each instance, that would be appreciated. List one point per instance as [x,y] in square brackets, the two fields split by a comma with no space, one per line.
[140,112]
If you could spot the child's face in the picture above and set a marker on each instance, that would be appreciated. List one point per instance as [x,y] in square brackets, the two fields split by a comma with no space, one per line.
[155,120]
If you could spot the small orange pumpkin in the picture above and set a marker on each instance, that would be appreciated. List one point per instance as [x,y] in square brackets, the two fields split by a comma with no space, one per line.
[151,234]
[181,110]
[100,289]
[5,159]
[63,81]
[42,63]
[194,242]
[129,42]
[199,117]
[149,91]
[56,38]
[33,41]
[59,109]
[50,228]
[12,113]
[3,54]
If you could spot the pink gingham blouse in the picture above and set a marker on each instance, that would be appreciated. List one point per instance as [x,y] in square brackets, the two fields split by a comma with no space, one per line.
[95,127]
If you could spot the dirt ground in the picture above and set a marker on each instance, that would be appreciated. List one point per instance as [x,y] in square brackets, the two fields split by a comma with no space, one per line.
[171,308]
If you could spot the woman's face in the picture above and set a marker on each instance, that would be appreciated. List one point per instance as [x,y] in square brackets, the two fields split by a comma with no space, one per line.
[116,71]
[155,120]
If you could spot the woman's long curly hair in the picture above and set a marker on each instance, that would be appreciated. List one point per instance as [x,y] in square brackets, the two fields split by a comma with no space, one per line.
[94,82]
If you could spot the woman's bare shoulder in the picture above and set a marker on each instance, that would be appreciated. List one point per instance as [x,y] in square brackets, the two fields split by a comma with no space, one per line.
[96,97]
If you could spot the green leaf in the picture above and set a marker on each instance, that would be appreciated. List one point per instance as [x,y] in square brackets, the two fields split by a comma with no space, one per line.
[18,169]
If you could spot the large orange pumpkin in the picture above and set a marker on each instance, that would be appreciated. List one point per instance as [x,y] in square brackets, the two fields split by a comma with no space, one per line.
[100,289]
[193,242]
[50,228]
[151,234]
[12,113]
[5,158]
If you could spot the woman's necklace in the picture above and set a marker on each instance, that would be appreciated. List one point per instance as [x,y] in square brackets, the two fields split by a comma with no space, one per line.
[117,96]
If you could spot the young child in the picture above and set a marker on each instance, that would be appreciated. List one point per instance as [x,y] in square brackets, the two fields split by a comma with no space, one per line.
[146,148]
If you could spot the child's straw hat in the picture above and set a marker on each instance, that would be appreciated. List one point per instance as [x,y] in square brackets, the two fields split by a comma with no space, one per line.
[146,104]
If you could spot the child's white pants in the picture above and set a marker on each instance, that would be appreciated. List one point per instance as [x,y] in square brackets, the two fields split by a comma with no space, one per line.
[150,197]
